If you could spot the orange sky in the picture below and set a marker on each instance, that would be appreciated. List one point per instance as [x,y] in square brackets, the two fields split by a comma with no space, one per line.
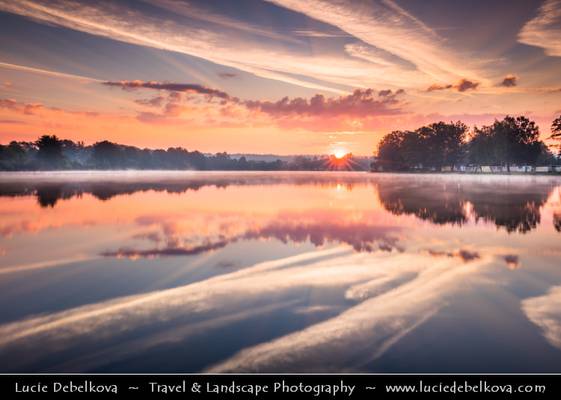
[281,77]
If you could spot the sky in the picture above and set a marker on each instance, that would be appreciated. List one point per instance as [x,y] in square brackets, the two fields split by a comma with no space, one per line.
[272,76]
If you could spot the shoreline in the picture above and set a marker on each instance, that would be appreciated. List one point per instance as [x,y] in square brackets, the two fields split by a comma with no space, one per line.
[215,174]
[553,173]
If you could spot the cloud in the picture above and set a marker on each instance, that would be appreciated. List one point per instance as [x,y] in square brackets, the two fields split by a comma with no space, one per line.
[23,108]
[385,25]
[167,251]
[10,104]
[227,75]
[318,34]
[299,271]
[389,92]
[45,264]
[169,86]
[544,30]
[437,86]
[379,286]
[509,81]
[367,330]
[461,86]
[38,108]
[466,84]
[200,14]
[42,71]
[157,101]
[361,103]
[512,261]
[362,236]
[267,60]
[388,297]
[388,68]
[545,312]
[462,254]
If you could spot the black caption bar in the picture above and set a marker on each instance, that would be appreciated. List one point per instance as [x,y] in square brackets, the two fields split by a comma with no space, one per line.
[261,386]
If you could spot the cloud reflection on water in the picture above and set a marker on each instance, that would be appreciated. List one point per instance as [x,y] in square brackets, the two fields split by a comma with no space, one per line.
[386,303]
[545,312]
[370,270]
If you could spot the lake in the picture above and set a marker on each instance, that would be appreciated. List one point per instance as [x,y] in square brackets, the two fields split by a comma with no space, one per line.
[279,272]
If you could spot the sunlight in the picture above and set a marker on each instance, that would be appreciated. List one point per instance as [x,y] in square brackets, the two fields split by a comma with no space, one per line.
[339,153]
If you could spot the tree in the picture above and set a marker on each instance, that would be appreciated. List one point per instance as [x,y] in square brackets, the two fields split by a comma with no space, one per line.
[480,147]
[106,155]
[414,149]
[12,156]
[556,128]
[49,151]
[510,141]
[434,146]
[445,143]
[390,149]
[556,134]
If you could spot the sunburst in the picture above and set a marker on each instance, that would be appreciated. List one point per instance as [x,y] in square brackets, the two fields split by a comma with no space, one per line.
[341,159]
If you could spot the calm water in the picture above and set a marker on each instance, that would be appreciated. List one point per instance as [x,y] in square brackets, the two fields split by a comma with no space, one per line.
[279,272]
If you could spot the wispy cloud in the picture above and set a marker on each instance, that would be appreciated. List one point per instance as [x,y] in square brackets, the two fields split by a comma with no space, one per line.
[380,312]
[389,38]
[370,54]
[364,332]
[42,71]
[544,30]
[197,13]
[385,25]
[317,34]
[131,26]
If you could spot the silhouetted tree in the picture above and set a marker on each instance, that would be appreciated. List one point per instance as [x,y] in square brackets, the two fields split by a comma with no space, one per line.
[507,142]
[556,128]
[435,145]
[444,143]
[390,150]
[515,141]
[106,155]
[556,134]
[414,149]
[481,147]
[49,152]
[13,156]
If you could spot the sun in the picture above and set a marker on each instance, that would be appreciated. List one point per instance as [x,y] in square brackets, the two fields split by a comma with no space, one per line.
[340,159]
[339,153]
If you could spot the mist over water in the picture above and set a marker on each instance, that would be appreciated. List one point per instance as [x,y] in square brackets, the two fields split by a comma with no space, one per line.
[281,271]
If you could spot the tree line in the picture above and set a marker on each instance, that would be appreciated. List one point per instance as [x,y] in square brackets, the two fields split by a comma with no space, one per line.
[508,142]
[49,152]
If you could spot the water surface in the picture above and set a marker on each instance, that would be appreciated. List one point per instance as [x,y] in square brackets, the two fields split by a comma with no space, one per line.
[187,271]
